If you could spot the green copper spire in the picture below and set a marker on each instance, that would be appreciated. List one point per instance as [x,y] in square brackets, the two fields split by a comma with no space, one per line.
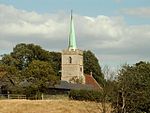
[72,37]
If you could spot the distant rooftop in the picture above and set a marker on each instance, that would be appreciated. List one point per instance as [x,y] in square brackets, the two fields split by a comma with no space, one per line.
[66,85]
[90,84]
[89,80]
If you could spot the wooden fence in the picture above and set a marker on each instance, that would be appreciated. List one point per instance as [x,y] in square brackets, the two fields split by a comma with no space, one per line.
[12,96]
[41,97]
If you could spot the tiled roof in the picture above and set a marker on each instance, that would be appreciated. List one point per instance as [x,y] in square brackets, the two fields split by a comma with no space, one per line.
[90,84]
[66,85]
[89,80]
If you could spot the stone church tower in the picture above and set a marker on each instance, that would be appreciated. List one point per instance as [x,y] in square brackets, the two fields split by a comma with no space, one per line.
[72,60]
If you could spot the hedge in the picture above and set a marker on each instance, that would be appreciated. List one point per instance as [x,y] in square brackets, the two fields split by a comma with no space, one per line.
[87,95]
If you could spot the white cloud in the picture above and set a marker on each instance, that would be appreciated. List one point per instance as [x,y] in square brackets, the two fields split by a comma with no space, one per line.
[141,11]
[111,38]
[23,23]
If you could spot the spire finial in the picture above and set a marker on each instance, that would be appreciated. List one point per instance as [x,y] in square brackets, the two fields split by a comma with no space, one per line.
[71,14]
[72,37]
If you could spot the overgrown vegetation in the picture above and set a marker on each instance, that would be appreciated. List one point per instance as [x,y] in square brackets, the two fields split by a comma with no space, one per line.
[130,91]
[86,95]
[29,69]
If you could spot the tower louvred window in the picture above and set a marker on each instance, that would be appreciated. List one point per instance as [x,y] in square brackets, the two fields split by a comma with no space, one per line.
[70,60]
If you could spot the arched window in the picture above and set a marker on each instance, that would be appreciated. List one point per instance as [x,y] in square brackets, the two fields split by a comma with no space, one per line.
[70,60]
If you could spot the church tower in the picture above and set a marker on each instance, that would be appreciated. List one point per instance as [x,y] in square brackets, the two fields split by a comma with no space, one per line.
[72,59]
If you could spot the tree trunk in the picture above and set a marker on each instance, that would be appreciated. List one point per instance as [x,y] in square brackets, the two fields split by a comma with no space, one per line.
[123,102]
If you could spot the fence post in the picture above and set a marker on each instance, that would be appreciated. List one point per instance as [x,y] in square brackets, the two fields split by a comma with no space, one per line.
[42,96]
[8,96]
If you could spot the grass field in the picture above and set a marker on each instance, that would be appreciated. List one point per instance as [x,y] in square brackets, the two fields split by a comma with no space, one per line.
[49,106]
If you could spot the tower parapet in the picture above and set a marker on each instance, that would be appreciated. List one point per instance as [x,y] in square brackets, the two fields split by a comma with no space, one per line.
[72,52]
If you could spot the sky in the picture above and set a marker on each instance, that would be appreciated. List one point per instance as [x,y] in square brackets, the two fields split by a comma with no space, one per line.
[117,31]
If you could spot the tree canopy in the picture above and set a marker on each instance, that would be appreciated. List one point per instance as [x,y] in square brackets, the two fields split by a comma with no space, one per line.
[28,61]
[132,89]
[39,76]
[91,64]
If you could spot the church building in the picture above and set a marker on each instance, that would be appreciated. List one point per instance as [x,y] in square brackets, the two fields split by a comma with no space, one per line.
[72,59]
[72,72]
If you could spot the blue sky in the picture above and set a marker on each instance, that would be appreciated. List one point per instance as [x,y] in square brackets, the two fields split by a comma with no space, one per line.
[83,7]
[118,31]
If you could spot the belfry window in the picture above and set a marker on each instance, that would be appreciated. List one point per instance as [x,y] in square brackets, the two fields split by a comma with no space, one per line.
[70,60]
[81,69]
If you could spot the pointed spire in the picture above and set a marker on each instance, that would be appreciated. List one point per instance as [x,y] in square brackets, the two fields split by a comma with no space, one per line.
[72,37]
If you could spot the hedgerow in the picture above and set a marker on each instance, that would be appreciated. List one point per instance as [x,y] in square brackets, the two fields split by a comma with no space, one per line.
[87,95]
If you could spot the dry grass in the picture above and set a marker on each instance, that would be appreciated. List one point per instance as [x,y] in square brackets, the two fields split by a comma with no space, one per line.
[49,106]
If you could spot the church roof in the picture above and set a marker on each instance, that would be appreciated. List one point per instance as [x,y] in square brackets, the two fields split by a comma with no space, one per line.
[89,80]
[90,84]
[72,37]
[69,86]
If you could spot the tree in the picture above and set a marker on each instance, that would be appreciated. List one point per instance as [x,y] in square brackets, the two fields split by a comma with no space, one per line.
[40,75]
[9,60]
[55,58]
[91,64]
[19,60]
[9,78]
[133,87]
[108,88]
[26,53]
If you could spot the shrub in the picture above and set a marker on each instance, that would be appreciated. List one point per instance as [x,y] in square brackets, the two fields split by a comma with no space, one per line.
[87,95]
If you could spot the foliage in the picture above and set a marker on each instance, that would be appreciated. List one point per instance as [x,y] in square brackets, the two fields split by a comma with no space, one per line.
[40,75]
[87,95]
[9,60]
[76,79]
[55,59]
[132,89]
[91,64]
[27,60]
[26,53]
[9,77]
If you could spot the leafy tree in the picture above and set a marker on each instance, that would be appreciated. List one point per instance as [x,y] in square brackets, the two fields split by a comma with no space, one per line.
[9,60]
[55,59]
[25,53]
[9,78]
[17,62]
[2,71]
[91,64]
[40,75]
[133,87]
